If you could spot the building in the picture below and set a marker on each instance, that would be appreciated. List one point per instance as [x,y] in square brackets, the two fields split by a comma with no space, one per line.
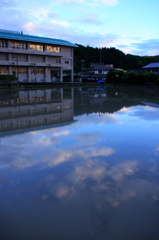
[34,58]
[97,71]
[152,67]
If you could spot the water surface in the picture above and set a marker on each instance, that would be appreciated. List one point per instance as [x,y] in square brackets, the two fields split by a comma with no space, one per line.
[79,163]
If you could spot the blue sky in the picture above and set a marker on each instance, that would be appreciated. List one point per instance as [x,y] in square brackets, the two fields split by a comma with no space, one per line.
[128,25]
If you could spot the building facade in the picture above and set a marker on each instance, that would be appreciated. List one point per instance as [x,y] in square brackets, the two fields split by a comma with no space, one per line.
[97,71]
[34,58]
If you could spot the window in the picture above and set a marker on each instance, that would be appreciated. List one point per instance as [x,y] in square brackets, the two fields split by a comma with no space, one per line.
[58,61]
[18,45]
[20,70]
[3,44]
[38,71]
[53,49]
[67,106]
[5,125]
[66,62]
[36,47]
[3,70]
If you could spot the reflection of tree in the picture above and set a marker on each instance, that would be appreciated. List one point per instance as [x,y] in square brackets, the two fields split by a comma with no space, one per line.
[117,98]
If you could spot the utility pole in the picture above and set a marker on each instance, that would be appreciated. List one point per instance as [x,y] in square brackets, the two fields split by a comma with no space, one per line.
[82,65]
[100,59]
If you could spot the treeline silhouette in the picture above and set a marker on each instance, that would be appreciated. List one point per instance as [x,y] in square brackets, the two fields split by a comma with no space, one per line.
[109,56]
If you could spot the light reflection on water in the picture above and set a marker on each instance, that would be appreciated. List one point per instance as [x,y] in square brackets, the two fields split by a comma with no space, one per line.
[79,164]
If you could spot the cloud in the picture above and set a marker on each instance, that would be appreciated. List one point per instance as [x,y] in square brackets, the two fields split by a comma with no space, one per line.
[57,29]
[61,23]
[39,14]
[89,19]
[91,2]
[29,27]
[144,47]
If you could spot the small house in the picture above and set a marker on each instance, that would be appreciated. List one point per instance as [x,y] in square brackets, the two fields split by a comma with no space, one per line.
[97,71]
[152,67]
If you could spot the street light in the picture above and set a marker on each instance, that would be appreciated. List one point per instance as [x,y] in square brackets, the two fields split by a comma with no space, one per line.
[17,67]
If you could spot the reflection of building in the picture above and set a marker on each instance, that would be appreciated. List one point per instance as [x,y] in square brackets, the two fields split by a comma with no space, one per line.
[34,59]
[36,108]
[151,104]
[95,95]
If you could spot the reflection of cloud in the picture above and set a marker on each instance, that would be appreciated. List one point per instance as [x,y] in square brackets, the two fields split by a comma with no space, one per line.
[121,170]
[94,119]
[157,148]
[87,138]
[90,169]
[98,170]
[124,110]
[143,112]
[61,190]
[58,189]
[45,141]
[58,158]
[96,152]
[60,133]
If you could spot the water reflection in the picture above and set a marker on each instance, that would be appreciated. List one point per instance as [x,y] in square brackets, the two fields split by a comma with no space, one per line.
[92,173]
[36,108]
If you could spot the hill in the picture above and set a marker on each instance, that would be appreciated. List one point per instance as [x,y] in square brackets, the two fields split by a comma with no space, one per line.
[110,56]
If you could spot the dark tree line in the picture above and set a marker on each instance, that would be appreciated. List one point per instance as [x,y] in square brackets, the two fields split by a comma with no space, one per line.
[109,56]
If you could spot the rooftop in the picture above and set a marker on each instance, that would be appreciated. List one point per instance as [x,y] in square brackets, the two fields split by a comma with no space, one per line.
[13,35]
[152,65]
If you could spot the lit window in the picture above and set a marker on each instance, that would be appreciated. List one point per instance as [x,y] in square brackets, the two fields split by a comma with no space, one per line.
[20,70]
[38,71]
[18,45]
[36,47]
[53,49]
[67,106]
[3,70]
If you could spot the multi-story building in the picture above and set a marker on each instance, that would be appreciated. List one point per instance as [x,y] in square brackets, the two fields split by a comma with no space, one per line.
[34,58]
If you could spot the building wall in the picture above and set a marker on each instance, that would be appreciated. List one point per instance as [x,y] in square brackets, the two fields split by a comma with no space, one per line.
[34,65]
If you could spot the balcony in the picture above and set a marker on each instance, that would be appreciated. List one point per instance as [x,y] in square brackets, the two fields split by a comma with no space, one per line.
[29,51]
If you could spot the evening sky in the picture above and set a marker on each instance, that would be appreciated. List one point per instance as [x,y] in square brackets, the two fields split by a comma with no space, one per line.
[128,25]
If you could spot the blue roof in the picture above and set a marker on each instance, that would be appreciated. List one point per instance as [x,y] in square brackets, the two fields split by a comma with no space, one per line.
[37,39]
[152,65]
